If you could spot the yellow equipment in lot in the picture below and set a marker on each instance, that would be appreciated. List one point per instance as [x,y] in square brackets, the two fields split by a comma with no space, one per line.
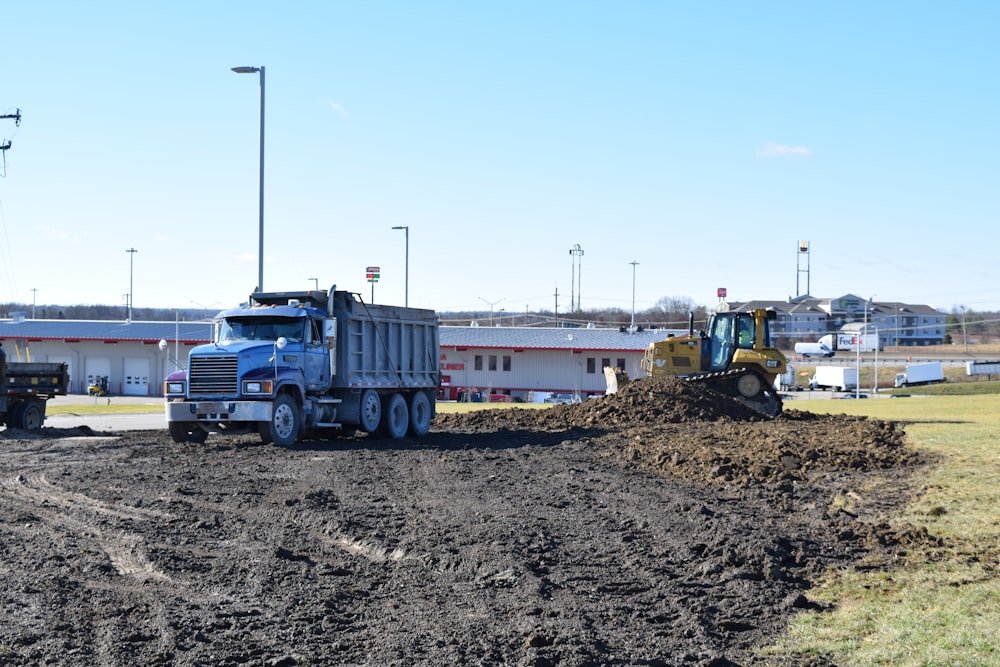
[99,387]
[733,356]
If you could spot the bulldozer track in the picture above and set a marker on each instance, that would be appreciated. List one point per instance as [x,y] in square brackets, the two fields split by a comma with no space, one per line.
[768,402]
[705,377]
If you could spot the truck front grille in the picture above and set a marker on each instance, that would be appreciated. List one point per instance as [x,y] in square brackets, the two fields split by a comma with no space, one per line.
[213,376]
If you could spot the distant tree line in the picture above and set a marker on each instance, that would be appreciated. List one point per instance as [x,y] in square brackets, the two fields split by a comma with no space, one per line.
[668,313]
[104,312]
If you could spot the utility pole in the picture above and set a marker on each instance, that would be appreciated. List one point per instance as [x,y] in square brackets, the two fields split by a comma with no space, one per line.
[16,116]
[491,304]
[34,298]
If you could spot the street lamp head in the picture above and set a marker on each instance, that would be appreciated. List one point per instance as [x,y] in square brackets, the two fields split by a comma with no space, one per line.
[246,70]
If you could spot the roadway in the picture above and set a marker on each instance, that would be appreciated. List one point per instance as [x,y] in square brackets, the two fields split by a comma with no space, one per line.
[153,420]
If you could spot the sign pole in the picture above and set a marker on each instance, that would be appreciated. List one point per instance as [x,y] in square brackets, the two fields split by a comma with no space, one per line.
[372,275]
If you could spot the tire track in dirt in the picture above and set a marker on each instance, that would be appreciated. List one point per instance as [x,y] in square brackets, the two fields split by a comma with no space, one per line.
[90,524]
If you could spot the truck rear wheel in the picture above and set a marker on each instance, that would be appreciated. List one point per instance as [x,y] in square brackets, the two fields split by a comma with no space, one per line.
[395,417]
[286,420]
[370,411]
[32,414]
[420,414]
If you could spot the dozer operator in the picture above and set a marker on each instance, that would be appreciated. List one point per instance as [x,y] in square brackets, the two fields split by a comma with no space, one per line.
[733,356]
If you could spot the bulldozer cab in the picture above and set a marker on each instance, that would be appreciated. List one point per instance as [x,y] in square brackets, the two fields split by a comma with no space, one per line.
[731,331]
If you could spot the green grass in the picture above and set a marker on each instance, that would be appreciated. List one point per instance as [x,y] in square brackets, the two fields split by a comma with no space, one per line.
[102,407]
[940,605]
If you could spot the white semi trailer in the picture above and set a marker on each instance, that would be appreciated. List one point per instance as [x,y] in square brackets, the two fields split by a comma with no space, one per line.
[982,368]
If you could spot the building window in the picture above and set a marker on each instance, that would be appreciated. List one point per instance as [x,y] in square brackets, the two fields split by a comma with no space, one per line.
[493,362]
[478,362]
[591,365]
[506,363]
[605,362]
[621,364]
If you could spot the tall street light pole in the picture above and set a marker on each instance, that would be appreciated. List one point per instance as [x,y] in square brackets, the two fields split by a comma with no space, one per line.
[634,264]
[260,234]
[128,305]
[406,229]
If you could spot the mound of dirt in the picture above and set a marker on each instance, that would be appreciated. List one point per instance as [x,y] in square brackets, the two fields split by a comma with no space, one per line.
[659,400]
[694,432]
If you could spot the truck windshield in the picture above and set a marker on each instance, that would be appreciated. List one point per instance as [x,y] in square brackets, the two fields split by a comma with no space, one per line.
[262,328]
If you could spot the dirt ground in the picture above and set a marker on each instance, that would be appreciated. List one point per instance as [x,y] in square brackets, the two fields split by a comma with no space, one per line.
[665,525]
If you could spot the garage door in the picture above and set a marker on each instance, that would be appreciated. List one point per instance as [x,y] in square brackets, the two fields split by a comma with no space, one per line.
[136,381]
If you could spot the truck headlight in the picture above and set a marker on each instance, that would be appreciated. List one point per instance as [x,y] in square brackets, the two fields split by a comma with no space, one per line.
[257,387]
[174,387]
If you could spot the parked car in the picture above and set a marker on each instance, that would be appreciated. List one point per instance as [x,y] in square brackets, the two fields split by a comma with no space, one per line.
[562,398]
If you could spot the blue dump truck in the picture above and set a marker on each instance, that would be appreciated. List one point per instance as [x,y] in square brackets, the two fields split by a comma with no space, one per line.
[288,363]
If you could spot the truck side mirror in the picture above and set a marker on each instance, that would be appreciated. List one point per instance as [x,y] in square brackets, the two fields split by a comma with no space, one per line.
[281,342]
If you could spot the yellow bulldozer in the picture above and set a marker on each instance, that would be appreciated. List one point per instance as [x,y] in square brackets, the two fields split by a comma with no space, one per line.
[734,356]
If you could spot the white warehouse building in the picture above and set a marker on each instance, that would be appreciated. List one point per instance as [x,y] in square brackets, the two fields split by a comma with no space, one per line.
[515,361]
[506,360]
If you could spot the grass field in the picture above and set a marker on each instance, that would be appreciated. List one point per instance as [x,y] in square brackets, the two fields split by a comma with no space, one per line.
[940,605]
[102,407]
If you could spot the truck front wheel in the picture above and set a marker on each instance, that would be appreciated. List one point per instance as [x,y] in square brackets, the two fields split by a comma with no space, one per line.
[370,414]
[182,432]
[286,420]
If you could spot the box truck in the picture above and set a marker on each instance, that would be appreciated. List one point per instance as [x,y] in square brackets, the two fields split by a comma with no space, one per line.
[834,378]
[918,374]
[786,381]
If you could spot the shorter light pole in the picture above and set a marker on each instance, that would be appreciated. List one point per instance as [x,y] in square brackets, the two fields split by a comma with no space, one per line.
[315,283]
[34,298]
[634,264]
[965,336]
[406,229]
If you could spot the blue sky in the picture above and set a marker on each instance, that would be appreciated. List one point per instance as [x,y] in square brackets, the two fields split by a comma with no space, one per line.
[701,140]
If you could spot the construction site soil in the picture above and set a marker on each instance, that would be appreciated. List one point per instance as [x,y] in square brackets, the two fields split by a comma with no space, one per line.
[663,525]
